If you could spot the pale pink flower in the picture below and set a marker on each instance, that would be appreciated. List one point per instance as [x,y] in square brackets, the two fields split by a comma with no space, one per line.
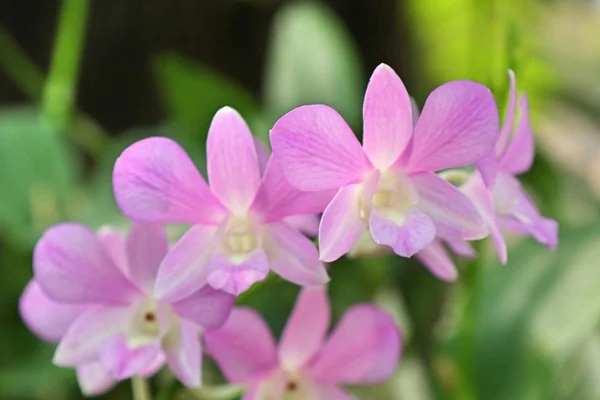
[389,185]
[108,312]
[241,227]
[495,190]
[364,348]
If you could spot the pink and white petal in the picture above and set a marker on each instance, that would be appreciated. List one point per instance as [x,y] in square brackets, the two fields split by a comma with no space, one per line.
[293,256]
[518,157]
[123,362]
[262,155]
[278,199]
[317,149]
[94,379]
[407,237]
[307,224]
[415,113]
[452,212]
[437,260]
[341,224]
[243,347]
[233,168]
[89,332]
[458,126]
[331,392]
[46,318]
[154,366]
[156,181]
[509,119]
[114,241]
[208,307]
[184,354]
[236,277]
[306,328]
[387,116]
[488,168]
[184,269]
[71,266]
[364,348]
[147,245]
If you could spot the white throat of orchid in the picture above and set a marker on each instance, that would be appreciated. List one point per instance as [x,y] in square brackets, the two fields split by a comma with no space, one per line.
[151,320]
[239,236]
[393,197]
[287,385]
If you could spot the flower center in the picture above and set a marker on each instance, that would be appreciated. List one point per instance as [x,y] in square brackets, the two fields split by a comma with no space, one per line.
[239,236]
[394,195]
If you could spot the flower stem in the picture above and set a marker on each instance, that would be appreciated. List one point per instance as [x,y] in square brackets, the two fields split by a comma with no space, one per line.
[140,388]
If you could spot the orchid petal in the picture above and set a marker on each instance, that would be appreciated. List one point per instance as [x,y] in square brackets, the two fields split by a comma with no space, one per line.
[317,149]
[452,212]
[461,248]
[293,256]
[94,379]
[207,307]
[236,277]
[184,354]
[458,126]
[307,224]
[147,245]
[90,331]
[509,118]
[262,155]
[156,181]
[46,318]
[123,362]
[233,169]
[436,259]
[243,347]
[330,392]
[364,348]
[411,235]
[184,269]
[71,265]
[387,115]
[518,157]
[306,328]
[114,243]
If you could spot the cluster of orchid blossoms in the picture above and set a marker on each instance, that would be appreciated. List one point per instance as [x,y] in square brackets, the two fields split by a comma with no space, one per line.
[121,305]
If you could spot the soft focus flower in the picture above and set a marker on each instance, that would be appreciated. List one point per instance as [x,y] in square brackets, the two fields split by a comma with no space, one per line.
[389,185]
[105,284]
[49,320]
[495,190]
[364,348]
[241,222]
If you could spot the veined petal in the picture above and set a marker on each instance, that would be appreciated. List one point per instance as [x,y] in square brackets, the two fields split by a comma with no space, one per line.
[364,348]
[520,152]
[387,117]
[90,331]
[306,328]
[236,277]
[184,269]
[156,181]
[71,265]
[293,256]
[509,119]
[123,362]
[458,126]
[147,245]
[94,379]
[437,260]
[46,318]
[342,223]
[233,168]
[208,307]
[452,212]
[184,354]
[317,149]
[278,199]
[407,237]
[243,347]
[113,240]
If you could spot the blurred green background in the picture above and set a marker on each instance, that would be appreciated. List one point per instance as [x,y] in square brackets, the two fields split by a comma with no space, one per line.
[80,80]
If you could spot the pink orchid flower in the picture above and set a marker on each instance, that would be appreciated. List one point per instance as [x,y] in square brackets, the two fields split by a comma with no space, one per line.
[49,320]
[241,227]
[364,348]
[389,185]
[108,282]
[495,190]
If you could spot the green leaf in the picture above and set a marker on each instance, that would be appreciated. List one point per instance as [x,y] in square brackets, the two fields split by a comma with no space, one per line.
[312,59]
[38,171]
